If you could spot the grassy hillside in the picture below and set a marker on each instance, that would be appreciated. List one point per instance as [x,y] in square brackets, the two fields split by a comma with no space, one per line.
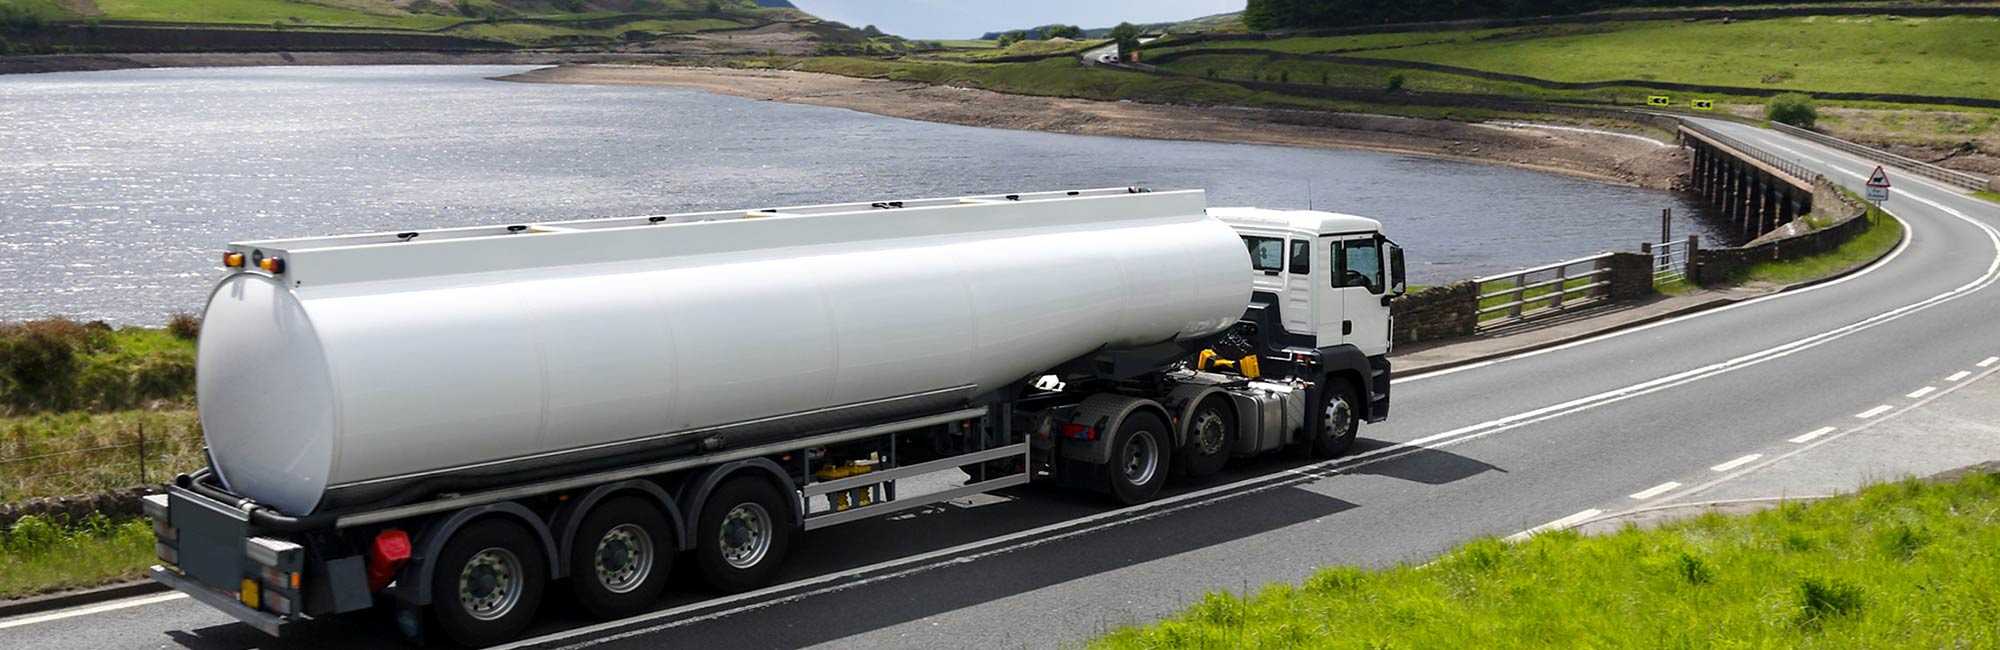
[1903,565]
[406,14]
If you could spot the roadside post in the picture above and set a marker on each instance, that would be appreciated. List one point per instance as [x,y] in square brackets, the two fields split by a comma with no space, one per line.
[1878,186]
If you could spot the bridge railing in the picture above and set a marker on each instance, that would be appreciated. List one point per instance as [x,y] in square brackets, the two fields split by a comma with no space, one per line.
[1789,168]
[1914,166]
[1511,297]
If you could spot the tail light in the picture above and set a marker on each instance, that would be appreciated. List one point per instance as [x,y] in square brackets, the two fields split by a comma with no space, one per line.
[1077,431]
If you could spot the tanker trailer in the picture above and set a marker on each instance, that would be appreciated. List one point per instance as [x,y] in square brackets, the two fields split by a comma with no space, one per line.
[455,422]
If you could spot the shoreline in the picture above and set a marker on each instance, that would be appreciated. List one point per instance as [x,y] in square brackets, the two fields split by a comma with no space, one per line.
[1598,156]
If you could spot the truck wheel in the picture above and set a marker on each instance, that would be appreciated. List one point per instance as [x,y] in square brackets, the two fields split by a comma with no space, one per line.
[1339,421]
[487,583]
[743,534]
[1139,458]
[1210,435]
[619,561]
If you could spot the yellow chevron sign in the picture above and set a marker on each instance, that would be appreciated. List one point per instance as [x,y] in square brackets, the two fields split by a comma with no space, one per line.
[1659,100]
[1704,104]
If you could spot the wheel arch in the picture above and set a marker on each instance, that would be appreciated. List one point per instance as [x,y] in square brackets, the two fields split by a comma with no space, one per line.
[570,517]
[1106,412]
[432,539]
[697,486]
[1183,400]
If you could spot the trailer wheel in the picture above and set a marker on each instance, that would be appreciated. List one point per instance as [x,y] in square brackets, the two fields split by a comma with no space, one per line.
[621,556]
[488,581]
[1339,420]
[743,534]
[1211,432]
[1139,458]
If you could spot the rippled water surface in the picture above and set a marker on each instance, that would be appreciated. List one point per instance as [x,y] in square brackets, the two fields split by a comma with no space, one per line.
[117,189]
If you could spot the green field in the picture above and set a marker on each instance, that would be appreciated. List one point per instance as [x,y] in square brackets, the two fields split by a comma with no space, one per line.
[38,555]
[1869,246]
[1954,56]
[1902,565]
[263,12]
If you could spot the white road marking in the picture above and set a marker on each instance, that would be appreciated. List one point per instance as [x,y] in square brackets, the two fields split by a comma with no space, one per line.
[1656,490]
[1815,433]
[1558,524]
[1959,375]
[93,609]
[1988,362]
[1874,411]
[1921,392]
[1737,463]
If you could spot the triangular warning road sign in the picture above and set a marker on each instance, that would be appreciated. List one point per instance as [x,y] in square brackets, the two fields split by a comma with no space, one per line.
[1879,178]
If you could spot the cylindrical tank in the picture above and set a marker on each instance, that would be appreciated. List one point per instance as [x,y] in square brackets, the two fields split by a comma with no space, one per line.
[342,378]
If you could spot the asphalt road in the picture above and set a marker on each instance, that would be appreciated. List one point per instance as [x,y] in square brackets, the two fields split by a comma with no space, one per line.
[1490,449]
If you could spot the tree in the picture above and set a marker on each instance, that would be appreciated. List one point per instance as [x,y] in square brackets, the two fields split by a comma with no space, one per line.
[1127,37]
[1796,109]
[1013,37]
[1063,31]
[712,7]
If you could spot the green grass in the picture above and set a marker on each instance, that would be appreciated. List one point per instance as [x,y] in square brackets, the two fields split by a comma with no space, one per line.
[56,454]
[262,12]
[61,365]
[1870,245]
[970,44]
[1927,56]
[1901,565]
[1990,196]
[38,555]
[1309,45]
[538,33]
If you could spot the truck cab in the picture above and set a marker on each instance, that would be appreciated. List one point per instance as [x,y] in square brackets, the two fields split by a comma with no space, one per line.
[1326,278]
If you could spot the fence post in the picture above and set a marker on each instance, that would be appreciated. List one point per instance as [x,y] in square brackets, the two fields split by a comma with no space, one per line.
[142,453]
[1520,295]
[1562,287]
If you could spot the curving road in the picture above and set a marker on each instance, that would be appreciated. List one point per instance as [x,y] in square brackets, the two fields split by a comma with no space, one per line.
[1490,449]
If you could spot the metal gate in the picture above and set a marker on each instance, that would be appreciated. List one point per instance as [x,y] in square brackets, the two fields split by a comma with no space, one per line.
[1670,260]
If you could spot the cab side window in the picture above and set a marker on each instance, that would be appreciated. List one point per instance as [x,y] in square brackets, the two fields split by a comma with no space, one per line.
[1301,257]
[1360,264]
[1266,253]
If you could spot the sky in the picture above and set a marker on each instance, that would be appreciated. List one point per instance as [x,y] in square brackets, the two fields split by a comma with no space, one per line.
[949,19]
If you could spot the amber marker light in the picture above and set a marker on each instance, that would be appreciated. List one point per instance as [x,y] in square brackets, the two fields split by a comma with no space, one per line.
[232,260]
[272,264]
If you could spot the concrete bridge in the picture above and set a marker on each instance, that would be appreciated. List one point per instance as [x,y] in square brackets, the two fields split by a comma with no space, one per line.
[1755,191]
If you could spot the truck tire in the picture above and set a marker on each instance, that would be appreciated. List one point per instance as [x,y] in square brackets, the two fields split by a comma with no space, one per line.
[743,534]
[621,556]
[1339,420]
[1139,458]
[488,582]
[1211,436]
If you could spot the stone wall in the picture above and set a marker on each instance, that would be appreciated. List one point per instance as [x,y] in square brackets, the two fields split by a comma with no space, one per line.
[1631,276]
[1791,241]
[1439,312]
[113,503]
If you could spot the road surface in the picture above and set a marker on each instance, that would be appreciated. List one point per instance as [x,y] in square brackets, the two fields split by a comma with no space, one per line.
[1490,449]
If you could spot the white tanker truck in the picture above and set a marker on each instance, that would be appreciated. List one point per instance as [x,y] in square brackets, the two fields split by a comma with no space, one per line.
[451,421]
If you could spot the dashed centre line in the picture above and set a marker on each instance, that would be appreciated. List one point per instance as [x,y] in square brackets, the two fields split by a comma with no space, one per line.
[1558,524]
[1959,375]
[1737,463]
[1815,433]
[1874,411]
[1656,490]
[1989,362]
[1921,392]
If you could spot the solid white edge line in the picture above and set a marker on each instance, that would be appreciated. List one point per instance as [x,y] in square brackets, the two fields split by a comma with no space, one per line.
[1959,375]
[1989,361]
[93,609]
[1737,463]
[1874,411]
[1656,490]
[1814,434]
[1564,522]
[1921,392]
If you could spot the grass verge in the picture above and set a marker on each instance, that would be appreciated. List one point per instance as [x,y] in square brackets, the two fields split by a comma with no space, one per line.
[1990,196]
[60,364]
[1870,245]
[1900,565]
[56,454]
[38,555]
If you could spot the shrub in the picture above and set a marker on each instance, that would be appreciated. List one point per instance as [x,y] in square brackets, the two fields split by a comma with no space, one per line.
[1796,109]
[1823,599]
[40,360]
[184,326]
[1396,81]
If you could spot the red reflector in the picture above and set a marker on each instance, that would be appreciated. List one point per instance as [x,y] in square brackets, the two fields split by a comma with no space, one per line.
[391,550]
[1077,432]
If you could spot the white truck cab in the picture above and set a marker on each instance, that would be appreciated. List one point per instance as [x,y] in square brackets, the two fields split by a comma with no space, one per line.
[1329,276]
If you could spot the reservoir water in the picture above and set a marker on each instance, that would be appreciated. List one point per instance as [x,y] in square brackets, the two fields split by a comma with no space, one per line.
[118,189]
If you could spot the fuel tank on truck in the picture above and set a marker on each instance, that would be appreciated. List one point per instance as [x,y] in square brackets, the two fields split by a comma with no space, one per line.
[336,371]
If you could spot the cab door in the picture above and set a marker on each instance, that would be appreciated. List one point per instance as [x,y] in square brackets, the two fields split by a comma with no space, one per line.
[1361,279]
[1274,268]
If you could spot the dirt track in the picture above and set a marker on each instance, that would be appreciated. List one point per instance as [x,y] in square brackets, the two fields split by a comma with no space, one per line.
[1613,158]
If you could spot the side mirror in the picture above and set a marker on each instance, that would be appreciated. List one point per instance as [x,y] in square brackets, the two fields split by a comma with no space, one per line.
[1398,285]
